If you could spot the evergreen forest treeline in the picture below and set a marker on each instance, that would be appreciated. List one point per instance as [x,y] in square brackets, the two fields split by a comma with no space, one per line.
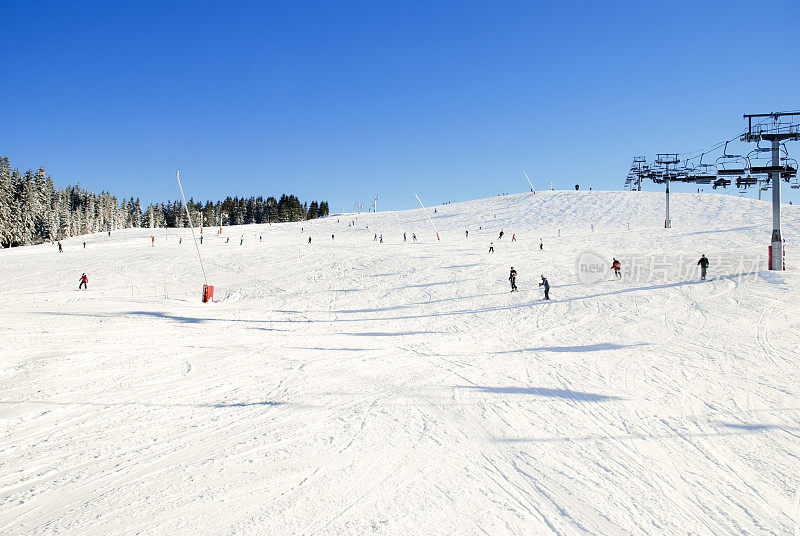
[32,210]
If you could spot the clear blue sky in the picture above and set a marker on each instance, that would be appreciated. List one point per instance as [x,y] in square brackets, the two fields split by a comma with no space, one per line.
[343,100]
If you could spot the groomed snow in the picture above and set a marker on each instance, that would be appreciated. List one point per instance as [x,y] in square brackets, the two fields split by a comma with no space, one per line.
[352,387]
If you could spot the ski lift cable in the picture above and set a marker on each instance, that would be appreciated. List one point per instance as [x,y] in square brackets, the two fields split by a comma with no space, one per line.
[713,148]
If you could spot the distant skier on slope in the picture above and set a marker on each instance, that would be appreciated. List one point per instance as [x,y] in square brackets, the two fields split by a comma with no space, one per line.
[60,249]
[404,237]
[309,239]
[501,235]
[514,237]
[491,247]
[546,286]
[466,234]
[84,282]
[414,236]
[541,245]
[513,278]
[703,264]
[616,266]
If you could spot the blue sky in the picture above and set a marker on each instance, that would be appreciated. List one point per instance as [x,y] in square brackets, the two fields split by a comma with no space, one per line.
[344,100]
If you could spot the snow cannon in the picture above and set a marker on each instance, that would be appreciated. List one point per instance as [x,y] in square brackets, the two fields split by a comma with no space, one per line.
[208,293]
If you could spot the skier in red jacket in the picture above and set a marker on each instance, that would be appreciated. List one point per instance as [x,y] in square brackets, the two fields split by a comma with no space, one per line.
[83,283]
[616,267]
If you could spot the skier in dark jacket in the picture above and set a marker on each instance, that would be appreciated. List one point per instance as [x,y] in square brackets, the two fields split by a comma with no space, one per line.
[546,286]
[513,278]
[60,249]
[501,235]
[83,283]
[703,264]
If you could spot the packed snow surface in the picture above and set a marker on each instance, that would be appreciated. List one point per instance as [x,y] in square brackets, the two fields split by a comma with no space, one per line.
[349,386]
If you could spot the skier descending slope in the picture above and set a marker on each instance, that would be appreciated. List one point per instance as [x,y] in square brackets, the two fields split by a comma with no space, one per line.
[703,264]
[513,278]
[546,286]
[616,266]
[84,282]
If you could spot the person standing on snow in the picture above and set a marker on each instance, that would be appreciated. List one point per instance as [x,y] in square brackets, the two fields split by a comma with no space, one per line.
[513,278]
[414,236]
[83,283]
[513,237]
[616,266]
[60,249]
[703,264]
[541,245]
[309,239]
[466,234]
[501,235]
[404,237]
[546,286]
[491,247]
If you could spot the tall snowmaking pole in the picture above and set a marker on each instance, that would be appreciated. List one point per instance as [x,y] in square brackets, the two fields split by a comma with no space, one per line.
[191,225]
[428,215]
[529,180]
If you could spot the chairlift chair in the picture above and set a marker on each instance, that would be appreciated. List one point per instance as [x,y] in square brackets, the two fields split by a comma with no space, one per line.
[746,182]
[731,164]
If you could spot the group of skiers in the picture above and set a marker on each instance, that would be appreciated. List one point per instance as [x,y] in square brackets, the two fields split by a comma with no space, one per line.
[615,265]
[512,277]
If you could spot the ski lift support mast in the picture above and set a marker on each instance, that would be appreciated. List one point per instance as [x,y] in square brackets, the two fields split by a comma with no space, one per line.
[777,132]
[666,160]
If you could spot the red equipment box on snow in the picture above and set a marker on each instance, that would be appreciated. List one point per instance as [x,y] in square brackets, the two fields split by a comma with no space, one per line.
[208,293]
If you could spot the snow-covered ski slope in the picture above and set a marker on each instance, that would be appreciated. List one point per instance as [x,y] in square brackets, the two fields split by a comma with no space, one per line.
[349,386]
